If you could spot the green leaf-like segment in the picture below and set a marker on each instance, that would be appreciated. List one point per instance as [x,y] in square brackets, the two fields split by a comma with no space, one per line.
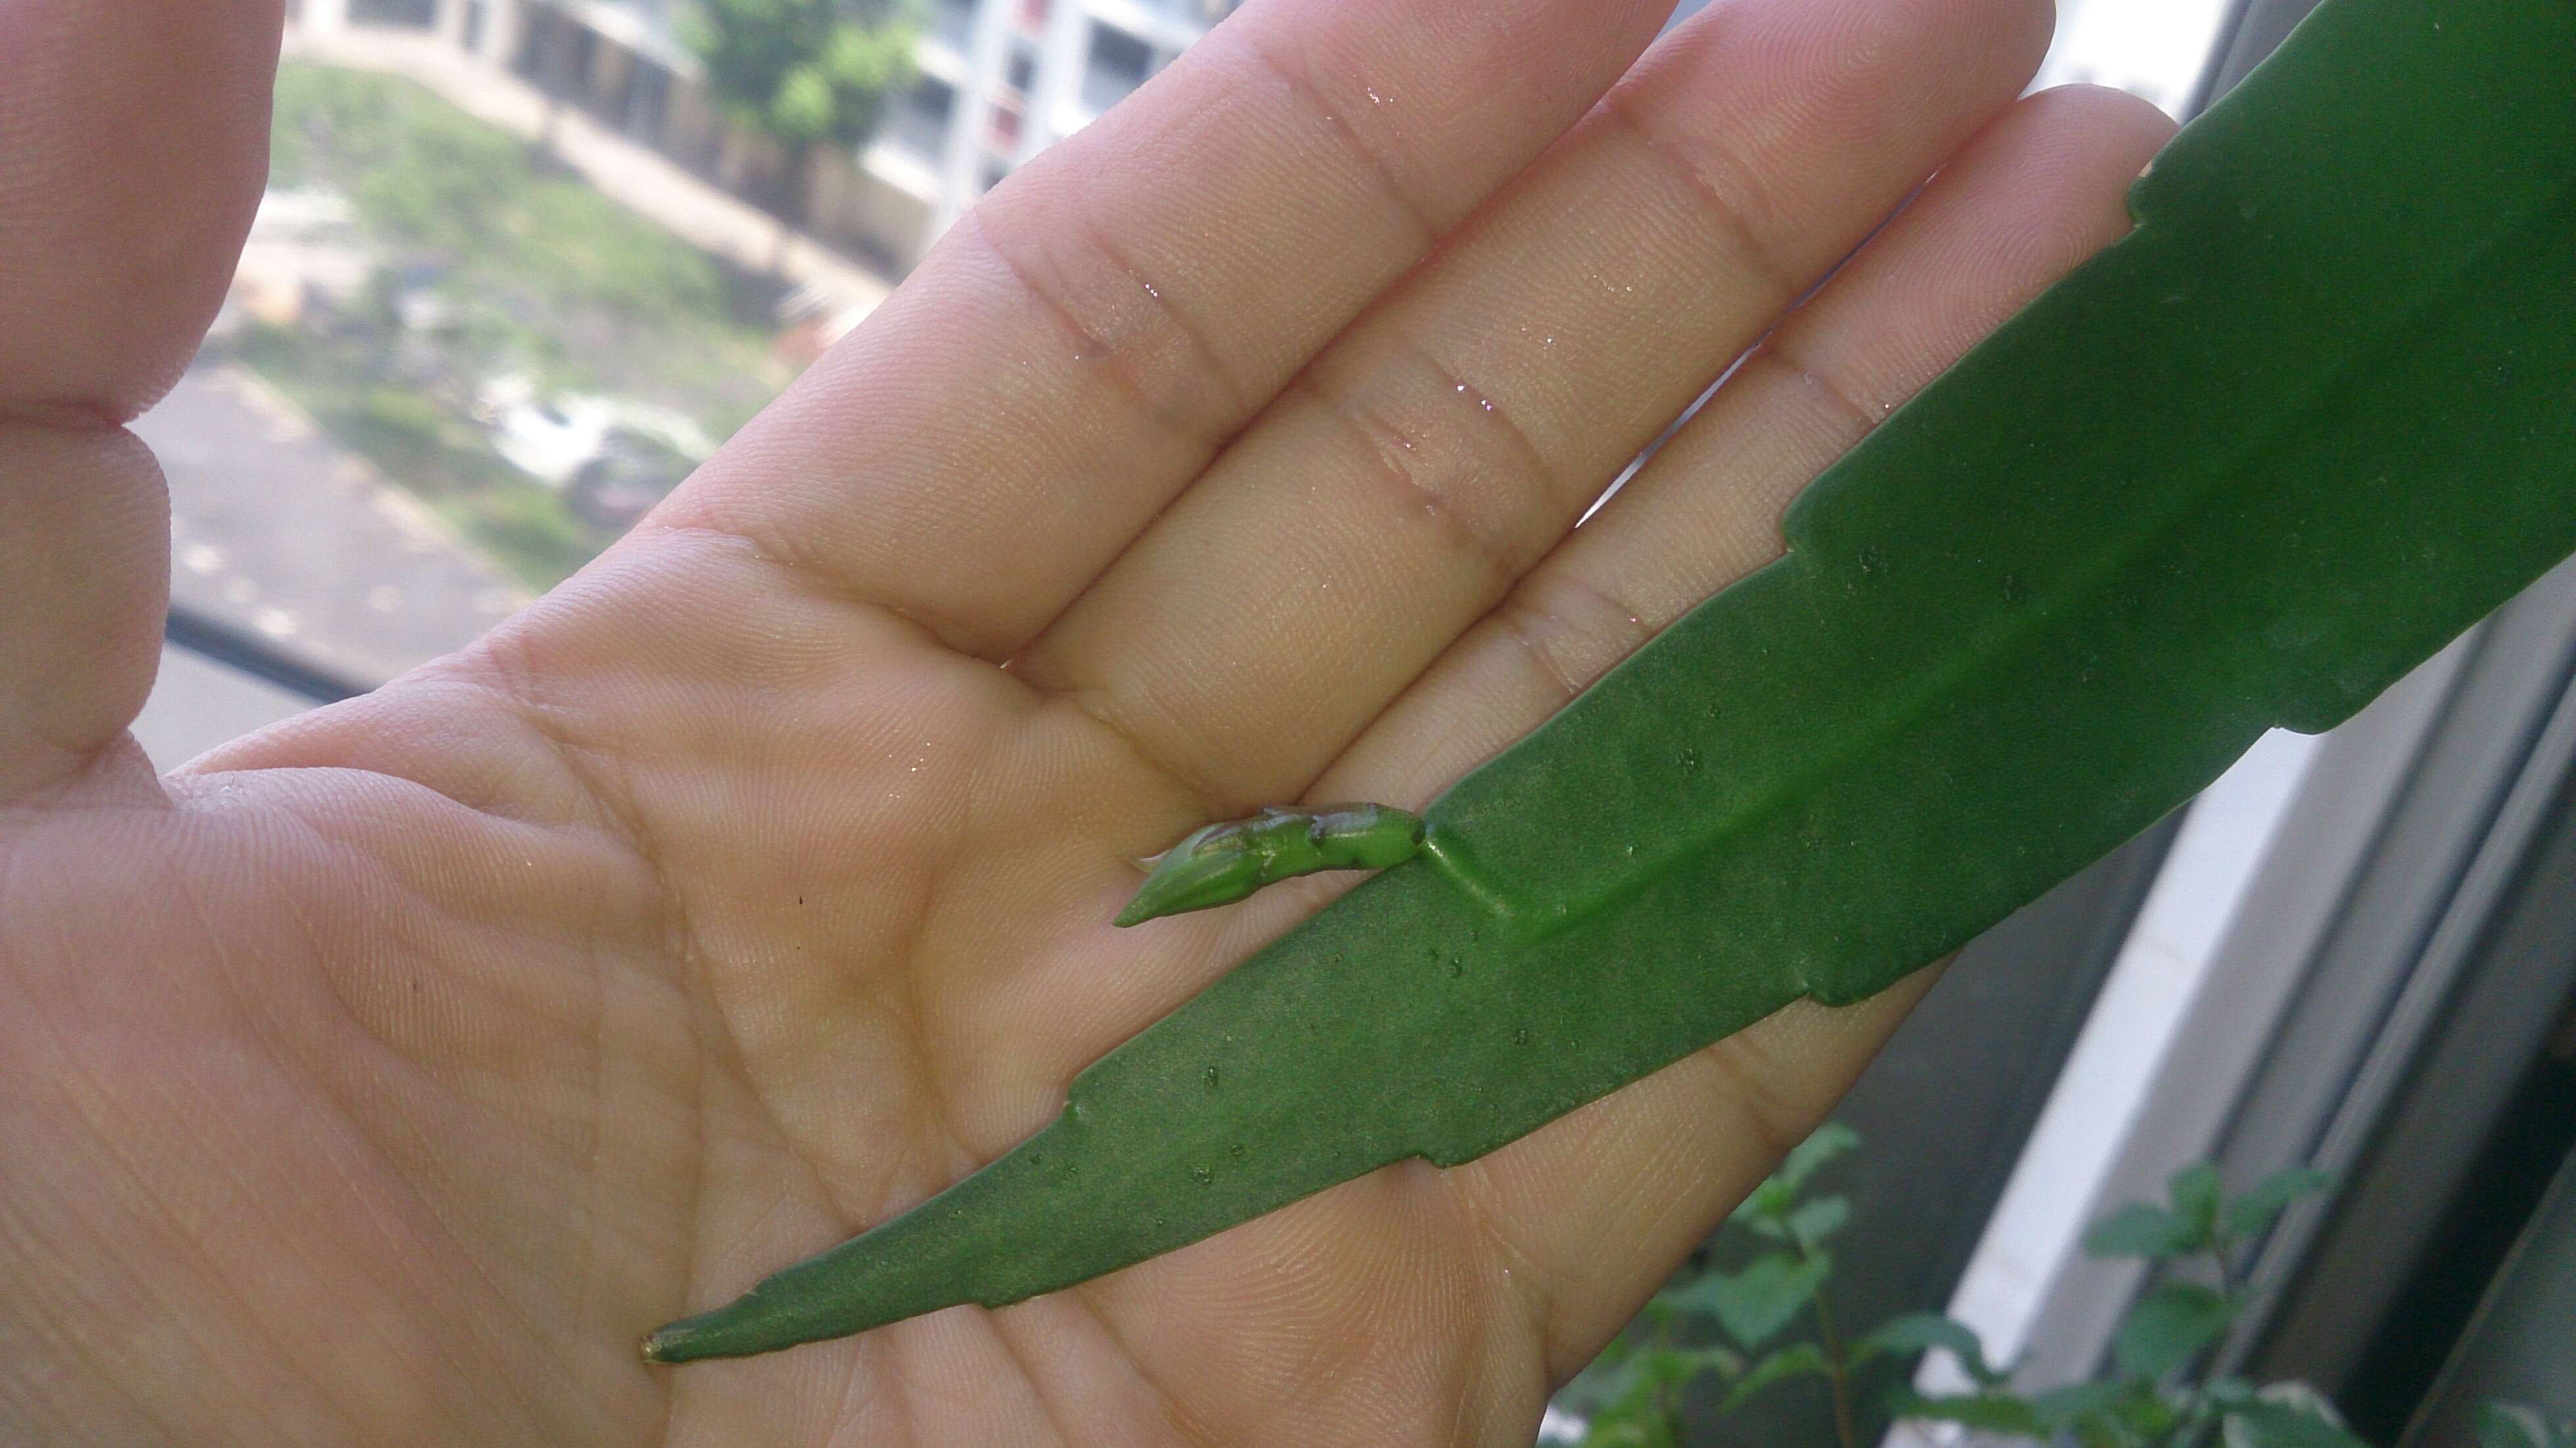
[2314,418]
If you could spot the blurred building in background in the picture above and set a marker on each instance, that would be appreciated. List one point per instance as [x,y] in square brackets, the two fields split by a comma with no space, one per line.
[999,80]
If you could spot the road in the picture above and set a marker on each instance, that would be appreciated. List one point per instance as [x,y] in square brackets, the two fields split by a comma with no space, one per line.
[277,531]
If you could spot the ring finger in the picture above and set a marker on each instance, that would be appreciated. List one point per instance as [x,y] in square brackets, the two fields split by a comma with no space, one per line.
[1441,447]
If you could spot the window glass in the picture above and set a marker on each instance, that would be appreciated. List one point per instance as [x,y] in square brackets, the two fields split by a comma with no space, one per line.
[920,123]
[418,13]
[2153,48]
[1119,62]
[952,23]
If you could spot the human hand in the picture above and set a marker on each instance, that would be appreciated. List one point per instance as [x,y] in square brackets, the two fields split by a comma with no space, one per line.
[380,1078]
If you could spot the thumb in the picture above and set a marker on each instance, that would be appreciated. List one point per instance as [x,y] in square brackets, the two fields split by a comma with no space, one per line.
[133,144]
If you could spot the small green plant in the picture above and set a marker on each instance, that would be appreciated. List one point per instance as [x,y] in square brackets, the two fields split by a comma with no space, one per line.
[2153,1397]
[1734,1326]
[1733,1329]
[2511,1425]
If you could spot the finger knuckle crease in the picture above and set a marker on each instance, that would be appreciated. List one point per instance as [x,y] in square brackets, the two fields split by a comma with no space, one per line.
[1372,159]
[1529,465]
[1777,1123]
[1116,348]
[1725,185]
[1202,359]
[1400,464]
[1562,605]
[1785,351]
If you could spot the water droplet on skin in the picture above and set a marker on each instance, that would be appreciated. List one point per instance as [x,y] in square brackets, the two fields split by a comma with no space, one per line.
[1204,1176]
[1690,759]
[2015,591]
[1210,1077]
[1872,560]
[1457,967]
[1235,1150]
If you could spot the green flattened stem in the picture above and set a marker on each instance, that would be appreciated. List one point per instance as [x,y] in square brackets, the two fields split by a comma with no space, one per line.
[1225,862]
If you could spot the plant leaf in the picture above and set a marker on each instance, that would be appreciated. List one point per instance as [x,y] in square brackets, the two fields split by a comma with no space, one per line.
[1754,1304]
[2227,1392]
[1815,1223]
[2062,1408]
[1922,1331]
[2511,1425]
[1767,1208]
[2280,1425]
[1986,1412]
[2168,1328]
[2296,431]
[2249,1215]
[2195,1192]
[2140,1230]
[1821,1146]
[1796,1360]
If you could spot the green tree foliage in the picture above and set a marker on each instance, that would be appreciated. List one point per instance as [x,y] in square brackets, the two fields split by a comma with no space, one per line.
[803,72]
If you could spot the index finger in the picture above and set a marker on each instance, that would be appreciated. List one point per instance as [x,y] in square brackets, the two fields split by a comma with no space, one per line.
[1079,347]
[133,139]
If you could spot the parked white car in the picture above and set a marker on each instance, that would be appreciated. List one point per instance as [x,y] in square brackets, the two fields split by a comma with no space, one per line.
[553,438]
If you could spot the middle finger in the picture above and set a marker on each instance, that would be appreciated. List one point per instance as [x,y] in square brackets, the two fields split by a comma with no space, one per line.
[1439,449]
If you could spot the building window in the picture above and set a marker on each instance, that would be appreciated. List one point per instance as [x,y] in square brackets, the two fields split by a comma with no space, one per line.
[648,102]
[1004,135]
[1023,70]
[994,171]
[954,21]
[1118,64]
[919,124]
[1033,15]
[410,14]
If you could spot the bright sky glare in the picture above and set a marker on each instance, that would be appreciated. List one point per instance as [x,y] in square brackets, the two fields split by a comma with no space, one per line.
[2154,48]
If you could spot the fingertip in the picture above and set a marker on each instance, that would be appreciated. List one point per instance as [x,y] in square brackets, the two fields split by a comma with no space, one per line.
[133,148]
[2055,173]
[2103,115]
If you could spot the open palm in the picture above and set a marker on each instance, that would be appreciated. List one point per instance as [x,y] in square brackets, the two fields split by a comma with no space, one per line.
[380,1078]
